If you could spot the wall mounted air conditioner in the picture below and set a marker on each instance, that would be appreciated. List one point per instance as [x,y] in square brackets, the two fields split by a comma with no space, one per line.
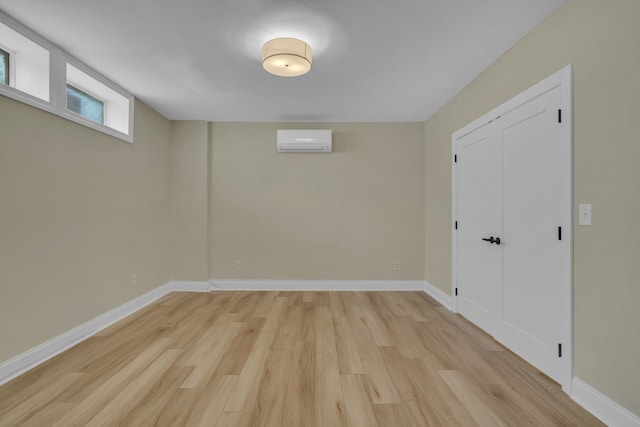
[304,141]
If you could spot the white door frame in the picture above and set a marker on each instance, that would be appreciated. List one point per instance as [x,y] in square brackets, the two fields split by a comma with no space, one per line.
[564,79]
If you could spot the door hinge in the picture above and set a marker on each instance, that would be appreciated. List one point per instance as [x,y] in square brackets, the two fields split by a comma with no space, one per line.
[456,291]
[455,158]
[559,116]
[456,225]
[559,233]
[559,350]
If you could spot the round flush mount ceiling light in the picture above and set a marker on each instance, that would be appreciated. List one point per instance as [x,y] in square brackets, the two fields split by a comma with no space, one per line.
[286,57]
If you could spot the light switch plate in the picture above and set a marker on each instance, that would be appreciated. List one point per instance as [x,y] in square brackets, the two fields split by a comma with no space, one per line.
[584,214]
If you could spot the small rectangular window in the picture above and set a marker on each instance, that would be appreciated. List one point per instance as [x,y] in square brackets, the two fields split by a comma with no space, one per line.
[4,67]
[86,105]
[102,103]
[80,94]
[26,64]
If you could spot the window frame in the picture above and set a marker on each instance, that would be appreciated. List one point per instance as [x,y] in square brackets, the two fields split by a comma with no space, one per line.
[10,90]
[8,62]
[66,60]
[57,80]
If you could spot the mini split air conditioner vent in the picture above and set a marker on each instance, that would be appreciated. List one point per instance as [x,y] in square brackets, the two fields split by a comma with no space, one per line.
[304,141]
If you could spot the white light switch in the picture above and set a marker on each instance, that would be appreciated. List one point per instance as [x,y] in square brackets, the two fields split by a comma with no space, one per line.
[584,214]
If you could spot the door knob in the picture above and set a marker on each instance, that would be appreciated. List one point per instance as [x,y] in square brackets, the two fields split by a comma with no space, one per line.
[491,239]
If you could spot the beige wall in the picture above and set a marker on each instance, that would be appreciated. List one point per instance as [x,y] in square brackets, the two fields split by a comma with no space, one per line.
[80,212]
[346,215]
[601,39]
[189,200]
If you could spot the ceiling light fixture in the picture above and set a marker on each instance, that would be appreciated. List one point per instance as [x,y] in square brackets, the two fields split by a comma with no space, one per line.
[286,57]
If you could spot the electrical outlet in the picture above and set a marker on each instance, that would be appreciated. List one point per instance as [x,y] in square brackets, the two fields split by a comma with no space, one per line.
[396,265]
[238,265]
[134,280]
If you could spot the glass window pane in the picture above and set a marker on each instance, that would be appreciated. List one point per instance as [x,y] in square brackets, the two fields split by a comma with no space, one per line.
[4,67]
[84,104]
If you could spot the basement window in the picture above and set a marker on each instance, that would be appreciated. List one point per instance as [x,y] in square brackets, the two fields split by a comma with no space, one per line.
[94,101]
[4,67]
[24,68]
[38,73]
[80,102]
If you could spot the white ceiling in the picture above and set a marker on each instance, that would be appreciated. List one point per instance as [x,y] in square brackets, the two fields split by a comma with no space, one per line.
[373,60]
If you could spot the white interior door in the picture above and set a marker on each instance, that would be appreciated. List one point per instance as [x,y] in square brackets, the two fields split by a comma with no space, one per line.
[512,181]
[479,195]
[533,247]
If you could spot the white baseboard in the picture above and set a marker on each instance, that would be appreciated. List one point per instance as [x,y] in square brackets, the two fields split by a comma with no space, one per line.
[45,351]
[184,286]
[438,295]
[315,285]
[608,411]
[591,399]
[21,363]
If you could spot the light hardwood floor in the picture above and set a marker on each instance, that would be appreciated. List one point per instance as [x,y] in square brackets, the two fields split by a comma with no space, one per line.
[289,359]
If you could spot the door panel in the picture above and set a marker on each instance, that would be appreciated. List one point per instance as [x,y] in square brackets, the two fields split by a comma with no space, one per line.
[479,201]
[533,255]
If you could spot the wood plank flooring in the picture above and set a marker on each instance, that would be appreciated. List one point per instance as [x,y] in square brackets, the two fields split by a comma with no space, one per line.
[289,359]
